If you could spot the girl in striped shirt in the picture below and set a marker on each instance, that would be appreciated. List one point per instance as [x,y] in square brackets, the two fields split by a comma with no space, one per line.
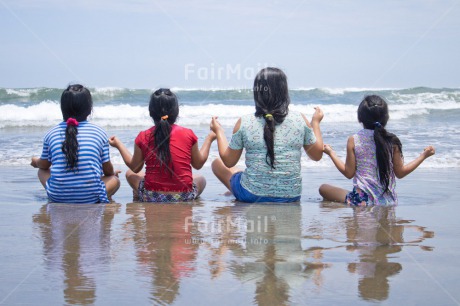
[75,166]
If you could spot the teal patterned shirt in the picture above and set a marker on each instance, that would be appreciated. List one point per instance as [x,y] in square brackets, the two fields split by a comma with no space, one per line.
[285,181]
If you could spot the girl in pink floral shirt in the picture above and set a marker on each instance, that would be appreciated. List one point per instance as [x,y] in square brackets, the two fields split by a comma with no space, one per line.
[374,159]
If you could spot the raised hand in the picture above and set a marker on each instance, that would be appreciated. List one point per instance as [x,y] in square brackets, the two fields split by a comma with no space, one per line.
[215,125]
[34,161]
[428,151]
[318,115]
[114,141]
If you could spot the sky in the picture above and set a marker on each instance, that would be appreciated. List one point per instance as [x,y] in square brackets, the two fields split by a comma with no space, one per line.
[223,44]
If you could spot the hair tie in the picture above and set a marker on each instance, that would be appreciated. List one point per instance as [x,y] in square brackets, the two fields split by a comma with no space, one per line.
[72,121]
[164,117]
[268,115]
[378,124]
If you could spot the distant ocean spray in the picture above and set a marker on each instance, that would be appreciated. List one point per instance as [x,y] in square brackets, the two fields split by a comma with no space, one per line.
[420,115]
[128,107]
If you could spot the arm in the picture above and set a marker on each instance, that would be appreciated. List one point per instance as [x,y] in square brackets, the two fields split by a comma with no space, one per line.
[40,163]
[199,157]
[134,162]
[402,170]
[107,169]
[315,151]
[348,169]
[229,156]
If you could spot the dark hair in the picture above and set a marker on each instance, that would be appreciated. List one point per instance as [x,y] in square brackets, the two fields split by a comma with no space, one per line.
[76,103]
[373,114]
[163,102]
[271,97]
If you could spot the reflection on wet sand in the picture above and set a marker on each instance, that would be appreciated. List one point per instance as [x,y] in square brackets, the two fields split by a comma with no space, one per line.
[278,254]
[76,241]
[376,235]
[162,251]
[266,243]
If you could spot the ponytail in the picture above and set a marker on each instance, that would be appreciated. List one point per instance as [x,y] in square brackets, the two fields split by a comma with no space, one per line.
[76,106]
[385,143]
[269,131]
[70,144]
[271,97]
[161,142]
[164,110]
[373,114]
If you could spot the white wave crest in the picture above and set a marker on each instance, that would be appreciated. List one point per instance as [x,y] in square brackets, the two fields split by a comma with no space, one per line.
[341,91]
[48,113]
[25,92]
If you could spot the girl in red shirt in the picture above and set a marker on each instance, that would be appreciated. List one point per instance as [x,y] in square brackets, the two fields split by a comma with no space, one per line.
[168,151]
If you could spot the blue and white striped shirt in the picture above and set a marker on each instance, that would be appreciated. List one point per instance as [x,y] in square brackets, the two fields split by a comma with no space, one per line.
[84,185]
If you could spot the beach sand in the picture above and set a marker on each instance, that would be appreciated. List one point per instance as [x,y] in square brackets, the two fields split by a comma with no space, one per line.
[220,251]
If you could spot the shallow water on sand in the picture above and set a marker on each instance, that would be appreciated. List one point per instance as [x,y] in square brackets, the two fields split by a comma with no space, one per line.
[219,251]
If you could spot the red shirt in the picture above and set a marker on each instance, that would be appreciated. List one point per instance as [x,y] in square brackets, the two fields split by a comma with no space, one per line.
[181,143]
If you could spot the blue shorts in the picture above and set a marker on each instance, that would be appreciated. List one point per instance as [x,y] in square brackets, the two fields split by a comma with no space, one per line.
[244,195]
[357,197]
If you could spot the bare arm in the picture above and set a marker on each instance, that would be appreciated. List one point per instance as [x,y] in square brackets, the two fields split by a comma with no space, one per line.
[229,156]
[348,169]
[40,163]
[402,170]
[315,151]
[134,162]
[199,157]
[107,169]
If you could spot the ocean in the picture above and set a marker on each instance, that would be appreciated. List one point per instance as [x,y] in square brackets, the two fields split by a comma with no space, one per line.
[220,251]
[419,116]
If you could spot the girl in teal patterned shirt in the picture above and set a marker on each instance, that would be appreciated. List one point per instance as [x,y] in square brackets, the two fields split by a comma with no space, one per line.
[273,138]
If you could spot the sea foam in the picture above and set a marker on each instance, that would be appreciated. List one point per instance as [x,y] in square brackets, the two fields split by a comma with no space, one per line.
[48,113]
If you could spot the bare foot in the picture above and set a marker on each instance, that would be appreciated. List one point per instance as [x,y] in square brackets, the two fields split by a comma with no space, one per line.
[135,196]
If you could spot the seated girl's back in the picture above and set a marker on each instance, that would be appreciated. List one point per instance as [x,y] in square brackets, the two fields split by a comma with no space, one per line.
[374,159]
[273,138]
[367,170]
[169,152]
[82,185]
[284,180]
[75,166]
[180,143]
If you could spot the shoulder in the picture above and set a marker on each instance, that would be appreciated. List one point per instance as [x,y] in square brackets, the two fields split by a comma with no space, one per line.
[56,130]
[351,141]
[394,139]
[294,113]
[250,117]
[297,117]
[93,128]
[145,134]
[237,126]
[249,121]
[184,132]
[365,132]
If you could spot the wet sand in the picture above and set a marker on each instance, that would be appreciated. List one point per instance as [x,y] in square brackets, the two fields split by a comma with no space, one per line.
[221,251]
